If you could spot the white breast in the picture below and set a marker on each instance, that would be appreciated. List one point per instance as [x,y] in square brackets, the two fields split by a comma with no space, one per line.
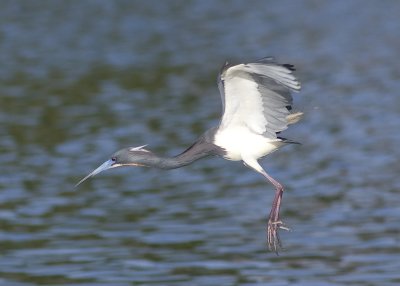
[239,142]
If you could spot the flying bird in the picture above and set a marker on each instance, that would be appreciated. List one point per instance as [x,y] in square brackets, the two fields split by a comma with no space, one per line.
[256,107]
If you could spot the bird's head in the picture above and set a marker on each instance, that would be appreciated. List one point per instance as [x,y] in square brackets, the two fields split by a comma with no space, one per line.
[131,156]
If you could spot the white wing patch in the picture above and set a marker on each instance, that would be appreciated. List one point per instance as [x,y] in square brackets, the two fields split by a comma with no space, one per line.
[257,96]
[239,107]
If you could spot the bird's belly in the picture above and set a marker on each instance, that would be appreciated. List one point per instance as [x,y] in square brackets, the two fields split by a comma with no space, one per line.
[239,143]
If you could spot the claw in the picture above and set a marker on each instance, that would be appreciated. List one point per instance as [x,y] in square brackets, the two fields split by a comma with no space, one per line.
[273,239]
[279,224]
[284,228]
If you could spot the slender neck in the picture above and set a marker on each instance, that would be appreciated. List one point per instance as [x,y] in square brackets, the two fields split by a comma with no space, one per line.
[195,152]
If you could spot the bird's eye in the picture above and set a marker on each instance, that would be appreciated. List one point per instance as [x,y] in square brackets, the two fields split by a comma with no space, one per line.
[114,159]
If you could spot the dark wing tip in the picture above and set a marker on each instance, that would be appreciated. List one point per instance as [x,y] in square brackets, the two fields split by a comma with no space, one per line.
[289,67]
[271,60]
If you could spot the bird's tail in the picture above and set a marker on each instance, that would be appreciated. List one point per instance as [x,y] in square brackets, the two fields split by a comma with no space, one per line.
[294,117]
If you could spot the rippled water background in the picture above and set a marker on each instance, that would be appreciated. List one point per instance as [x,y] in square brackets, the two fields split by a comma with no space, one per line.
[81,79]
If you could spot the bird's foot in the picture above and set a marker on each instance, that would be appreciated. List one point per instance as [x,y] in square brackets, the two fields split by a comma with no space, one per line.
[273,240]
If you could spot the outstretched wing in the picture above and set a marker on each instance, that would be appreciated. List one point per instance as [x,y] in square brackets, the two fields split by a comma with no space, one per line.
[257,96]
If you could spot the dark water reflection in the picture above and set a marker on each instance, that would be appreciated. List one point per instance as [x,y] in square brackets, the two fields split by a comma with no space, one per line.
[80,80]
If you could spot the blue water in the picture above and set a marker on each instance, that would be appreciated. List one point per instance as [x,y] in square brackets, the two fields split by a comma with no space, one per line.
[82,79]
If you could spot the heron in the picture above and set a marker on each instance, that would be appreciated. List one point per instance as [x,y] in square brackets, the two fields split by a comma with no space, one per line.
[256,108]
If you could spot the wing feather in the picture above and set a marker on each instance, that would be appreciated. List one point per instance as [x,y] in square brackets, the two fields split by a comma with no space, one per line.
[257,96]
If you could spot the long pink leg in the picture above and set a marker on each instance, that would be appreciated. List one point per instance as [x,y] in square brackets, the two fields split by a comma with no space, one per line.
[274,222]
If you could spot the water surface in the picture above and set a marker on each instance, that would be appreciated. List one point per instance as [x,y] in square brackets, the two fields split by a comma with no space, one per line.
[81,79]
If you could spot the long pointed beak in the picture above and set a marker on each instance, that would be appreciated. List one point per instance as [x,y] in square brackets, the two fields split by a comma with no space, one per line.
[106,165]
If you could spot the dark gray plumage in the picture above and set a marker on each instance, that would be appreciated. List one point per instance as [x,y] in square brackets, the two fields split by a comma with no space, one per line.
[140,156]
[256,107]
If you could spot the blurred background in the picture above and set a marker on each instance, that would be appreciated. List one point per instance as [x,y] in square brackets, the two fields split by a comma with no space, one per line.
[82,79]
